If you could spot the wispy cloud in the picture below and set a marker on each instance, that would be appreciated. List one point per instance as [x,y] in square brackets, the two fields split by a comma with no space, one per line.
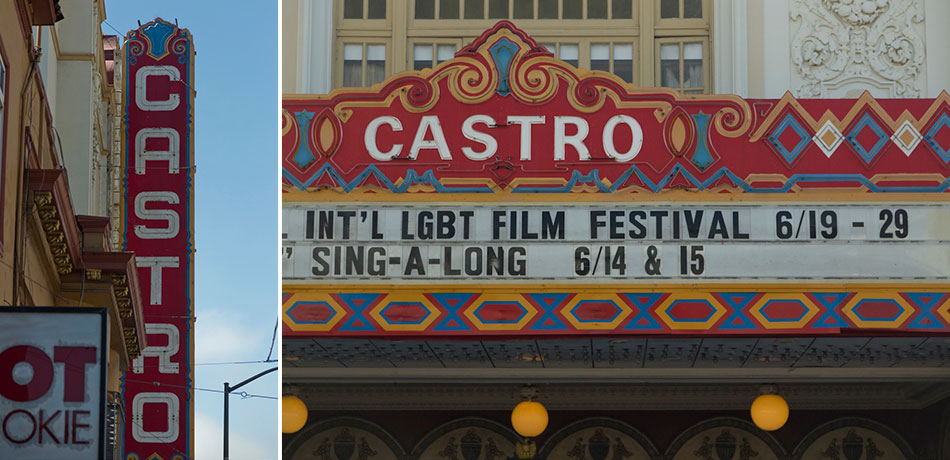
[222,336]
[243,446]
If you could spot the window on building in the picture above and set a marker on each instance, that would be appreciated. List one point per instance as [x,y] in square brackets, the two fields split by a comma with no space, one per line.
[427,55]
[682,65]
[364,64]
[681,9]
[616,58]
[364,9]
[633,39]
[569,53]
[522,9]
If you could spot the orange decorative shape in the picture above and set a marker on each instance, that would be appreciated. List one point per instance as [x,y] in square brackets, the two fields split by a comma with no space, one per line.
[327,133]
[872,310]
[404,312]
[596,311]
[693,311]
[943,311]
[680,133]
[784,311]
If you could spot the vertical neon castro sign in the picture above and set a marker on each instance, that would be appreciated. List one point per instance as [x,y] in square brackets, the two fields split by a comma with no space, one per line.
[158,202]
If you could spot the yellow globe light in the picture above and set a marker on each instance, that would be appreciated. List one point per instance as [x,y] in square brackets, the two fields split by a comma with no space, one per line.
[769,412]
[529,418]
[294,414]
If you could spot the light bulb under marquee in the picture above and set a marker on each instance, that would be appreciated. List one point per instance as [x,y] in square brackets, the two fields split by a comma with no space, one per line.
[769,412]
[529,418]
[294,414]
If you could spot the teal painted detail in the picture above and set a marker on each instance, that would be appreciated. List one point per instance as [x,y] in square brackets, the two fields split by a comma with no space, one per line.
[157,33]
[868,155]
[503,53]
[701,156]
[931,138]
[427,177]
[789,122]
[303,157]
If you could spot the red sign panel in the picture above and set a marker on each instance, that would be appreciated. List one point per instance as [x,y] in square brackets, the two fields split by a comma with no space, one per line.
[159,228]
[505,117]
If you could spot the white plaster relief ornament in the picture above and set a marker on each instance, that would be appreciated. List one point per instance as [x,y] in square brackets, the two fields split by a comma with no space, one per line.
[845,45]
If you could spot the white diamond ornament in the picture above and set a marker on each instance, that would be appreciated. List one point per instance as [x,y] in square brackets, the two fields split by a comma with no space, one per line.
[828,138]
[906,138]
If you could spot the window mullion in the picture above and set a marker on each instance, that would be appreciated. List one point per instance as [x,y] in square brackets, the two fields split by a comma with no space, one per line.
[682,66]
[610,55]
[363,67]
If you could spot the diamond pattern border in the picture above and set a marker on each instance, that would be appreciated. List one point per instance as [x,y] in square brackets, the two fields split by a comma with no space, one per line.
[828,138]
[943,152]
[868,155]
[906,138]
[790,156]
[640,312]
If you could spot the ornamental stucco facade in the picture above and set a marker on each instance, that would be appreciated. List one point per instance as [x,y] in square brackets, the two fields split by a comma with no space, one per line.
[811,48]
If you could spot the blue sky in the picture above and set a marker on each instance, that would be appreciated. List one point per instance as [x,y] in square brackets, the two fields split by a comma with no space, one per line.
[236,196]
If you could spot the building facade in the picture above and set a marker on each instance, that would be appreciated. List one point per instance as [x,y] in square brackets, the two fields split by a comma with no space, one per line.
[434,151]
[58,109]
[811,48]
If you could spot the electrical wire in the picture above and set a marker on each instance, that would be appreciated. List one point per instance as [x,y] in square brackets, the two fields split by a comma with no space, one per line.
[243,394]
[273,340]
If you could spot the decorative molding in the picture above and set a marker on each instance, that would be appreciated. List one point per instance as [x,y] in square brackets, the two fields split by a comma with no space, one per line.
[314,430]
[633,434]
[482,425]
[53,229]
[123,299]
[600,395]
[844,45]
[55,210]
[530,311]
[884,431]
[346,437]
[741,429]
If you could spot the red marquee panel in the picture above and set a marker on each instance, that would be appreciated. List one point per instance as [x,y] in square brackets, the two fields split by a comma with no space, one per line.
[504,117]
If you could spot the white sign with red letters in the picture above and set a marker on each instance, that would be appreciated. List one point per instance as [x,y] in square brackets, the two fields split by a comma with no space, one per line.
[53,383]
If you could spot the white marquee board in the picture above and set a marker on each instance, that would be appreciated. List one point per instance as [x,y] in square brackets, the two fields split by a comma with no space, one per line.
[616,242]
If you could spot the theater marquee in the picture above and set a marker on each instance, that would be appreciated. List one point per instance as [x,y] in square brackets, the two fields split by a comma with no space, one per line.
[158,180]
[506,192]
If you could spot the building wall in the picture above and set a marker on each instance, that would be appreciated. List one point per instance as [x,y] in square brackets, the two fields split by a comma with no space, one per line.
[73,68]
[57,123]
[426,434]
[758,49]
[306,48]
